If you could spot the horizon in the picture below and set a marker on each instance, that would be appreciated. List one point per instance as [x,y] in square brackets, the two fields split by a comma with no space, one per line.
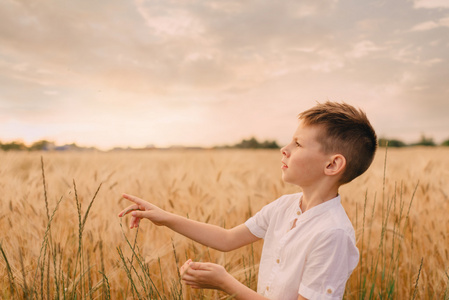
[56,146]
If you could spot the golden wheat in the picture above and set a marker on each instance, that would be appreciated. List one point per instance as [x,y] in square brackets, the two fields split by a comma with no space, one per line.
[222,187]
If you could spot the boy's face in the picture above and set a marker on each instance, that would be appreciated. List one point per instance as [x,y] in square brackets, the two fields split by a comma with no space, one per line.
[303,162]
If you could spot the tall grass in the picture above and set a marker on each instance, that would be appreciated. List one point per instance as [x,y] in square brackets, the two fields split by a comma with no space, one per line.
[65,242]
[46,284]
[386,259]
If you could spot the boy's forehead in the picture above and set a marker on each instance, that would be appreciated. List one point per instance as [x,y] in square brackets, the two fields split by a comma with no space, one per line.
[304,127]
[307,131]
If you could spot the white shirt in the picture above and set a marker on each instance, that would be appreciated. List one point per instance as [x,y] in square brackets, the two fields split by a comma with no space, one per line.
[314,259]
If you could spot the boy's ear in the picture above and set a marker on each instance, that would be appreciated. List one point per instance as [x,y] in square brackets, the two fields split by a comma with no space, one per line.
[336,165]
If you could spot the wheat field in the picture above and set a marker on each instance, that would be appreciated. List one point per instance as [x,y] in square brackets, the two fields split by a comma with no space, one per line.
[61,237]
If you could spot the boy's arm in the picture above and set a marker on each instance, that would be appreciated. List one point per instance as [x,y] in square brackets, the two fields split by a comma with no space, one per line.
[209,235]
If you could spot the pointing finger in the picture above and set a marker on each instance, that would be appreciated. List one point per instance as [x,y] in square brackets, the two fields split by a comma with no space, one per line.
[134,199]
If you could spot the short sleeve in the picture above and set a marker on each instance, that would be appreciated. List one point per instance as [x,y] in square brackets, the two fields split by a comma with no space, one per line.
[328,266]
[258,224]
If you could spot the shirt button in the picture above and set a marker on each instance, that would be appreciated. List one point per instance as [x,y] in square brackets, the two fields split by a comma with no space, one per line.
[268,288]
[278,261]
[329,291]
[298,212]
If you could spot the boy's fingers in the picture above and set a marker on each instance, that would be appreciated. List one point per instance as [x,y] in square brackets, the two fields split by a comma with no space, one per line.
[128,209]
[138,214]
[185,267]
[134,199]
[134,223]
[195,265]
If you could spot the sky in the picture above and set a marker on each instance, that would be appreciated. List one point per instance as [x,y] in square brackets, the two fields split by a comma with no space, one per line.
[118,73]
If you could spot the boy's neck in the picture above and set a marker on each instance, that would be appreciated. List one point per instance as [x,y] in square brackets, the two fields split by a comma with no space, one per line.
[317,196]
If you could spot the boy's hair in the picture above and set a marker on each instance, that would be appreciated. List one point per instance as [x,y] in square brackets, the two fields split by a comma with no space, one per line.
[346,131]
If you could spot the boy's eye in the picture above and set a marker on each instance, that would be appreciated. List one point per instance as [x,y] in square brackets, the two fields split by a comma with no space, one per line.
[297,144]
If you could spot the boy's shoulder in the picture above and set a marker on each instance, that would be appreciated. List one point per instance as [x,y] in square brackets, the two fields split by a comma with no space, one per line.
[332,218]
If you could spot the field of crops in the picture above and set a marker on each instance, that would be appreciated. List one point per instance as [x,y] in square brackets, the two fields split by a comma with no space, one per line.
[61,237]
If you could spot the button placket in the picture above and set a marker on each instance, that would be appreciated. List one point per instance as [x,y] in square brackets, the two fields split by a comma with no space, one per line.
[277,255]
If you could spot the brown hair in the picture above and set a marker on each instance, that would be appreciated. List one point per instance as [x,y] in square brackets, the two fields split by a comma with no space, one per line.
[346,131]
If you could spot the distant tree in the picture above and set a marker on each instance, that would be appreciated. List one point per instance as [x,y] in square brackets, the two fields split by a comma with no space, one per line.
[445,143]
[270,145]
[253,143]
[71,147]
[425,141]
[41,145]
[391,143]
[15,145]
[245,144]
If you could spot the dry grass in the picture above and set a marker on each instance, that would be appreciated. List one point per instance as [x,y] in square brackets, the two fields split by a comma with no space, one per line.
[95,260]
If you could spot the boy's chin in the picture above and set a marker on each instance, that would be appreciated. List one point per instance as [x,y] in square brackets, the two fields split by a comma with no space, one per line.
[286,179]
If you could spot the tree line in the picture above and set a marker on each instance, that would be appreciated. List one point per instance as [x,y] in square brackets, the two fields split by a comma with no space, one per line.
[250,143]
[424,141]
[253,143]
[42,145]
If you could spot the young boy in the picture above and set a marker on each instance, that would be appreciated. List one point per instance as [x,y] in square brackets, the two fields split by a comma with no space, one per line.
[309,248]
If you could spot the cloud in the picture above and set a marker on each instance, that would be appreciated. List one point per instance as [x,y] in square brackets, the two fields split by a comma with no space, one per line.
[364,48]
[410,55]
[239,45]
[169,21]
[178,45]
[429,25]
[425,26]
[431,4]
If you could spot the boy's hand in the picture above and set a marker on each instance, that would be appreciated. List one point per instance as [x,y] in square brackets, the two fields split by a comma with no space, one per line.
[142,209]
[204,275]
[212,276]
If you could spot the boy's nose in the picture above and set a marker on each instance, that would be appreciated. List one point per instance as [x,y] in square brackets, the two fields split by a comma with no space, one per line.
[284,151]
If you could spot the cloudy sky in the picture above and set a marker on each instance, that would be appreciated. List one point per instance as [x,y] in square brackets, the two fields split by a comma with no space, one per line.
[111,73]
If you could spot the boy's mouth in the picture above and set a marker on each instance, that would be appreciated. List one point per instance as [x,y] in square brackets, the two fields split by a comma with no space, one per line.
[284,165]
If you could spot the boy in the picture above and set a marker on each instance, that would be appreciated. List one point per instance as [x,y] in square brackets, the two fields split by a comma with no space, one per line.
[309,247]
